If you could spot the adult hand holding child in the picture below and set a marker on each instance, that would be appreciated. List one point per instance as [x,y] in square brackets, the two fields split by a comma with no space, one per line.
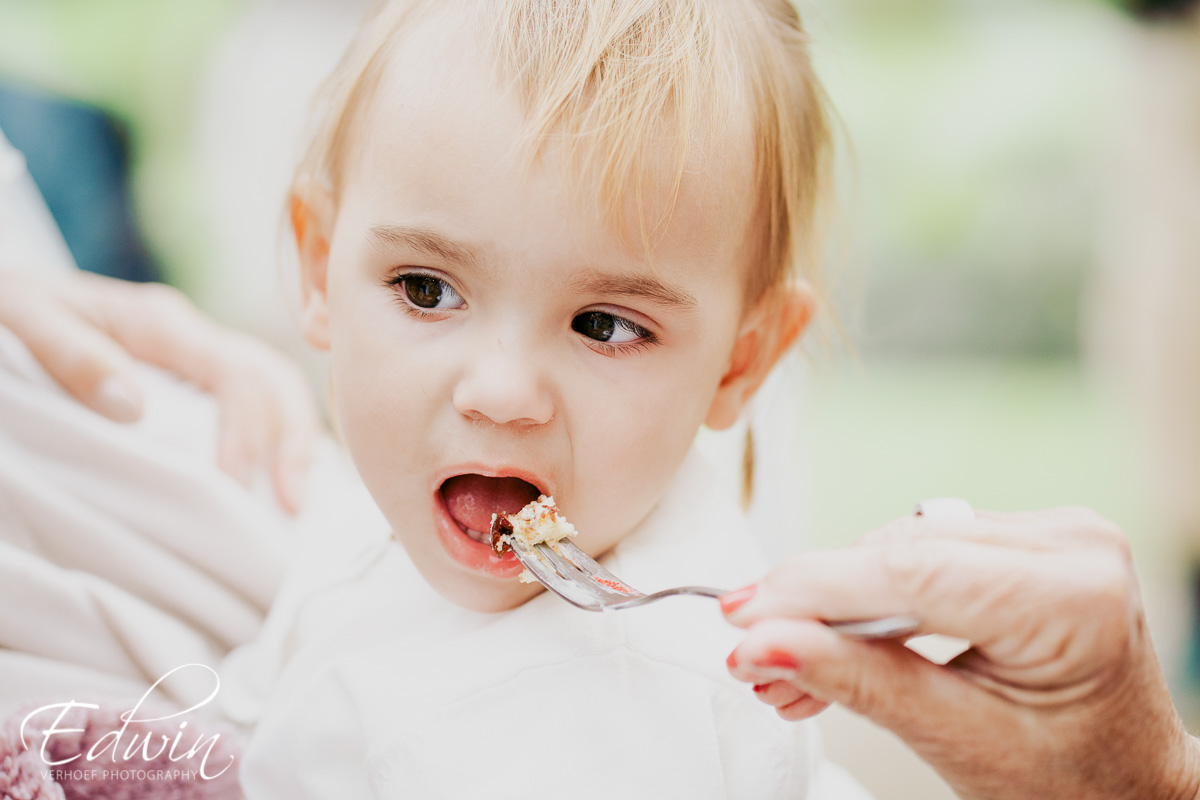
[86,330]
[1060,695]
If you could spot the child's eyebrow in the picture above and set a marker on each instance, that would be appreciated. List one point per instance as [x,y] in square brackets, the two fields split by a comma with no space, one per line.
[425,241]
[438,246]
[602,283]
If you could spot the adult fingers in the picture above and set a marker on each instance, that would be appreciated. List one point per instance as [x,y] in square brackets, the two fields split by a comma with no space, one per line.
[284,397]
[87,329]
[807,706]
[884,681]
[267,415]
[81,358]
[790,702]
[777,693]
[157,324]
[244,429]
[289,419]
[296,435]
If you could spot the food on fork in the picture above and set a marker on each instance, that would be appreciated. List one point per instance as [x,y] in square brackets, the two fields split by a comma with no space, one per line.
[538,522]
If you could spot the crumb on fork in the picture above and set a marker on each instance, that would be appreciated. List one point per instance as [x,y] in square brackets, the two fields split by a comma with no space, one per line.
[537,523]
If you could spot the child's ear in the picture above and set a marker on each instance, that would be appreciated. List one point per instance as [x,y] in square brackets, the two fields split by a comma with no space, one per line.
[312,223]
[770,328]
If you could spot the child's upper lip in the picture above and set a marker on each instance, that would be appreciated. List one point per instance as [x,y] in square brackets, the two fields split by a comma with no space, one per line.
[542,484]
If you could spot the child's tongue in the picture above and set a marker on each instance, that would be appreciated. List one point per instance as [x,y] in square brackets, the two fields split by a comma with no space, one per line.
[472,499]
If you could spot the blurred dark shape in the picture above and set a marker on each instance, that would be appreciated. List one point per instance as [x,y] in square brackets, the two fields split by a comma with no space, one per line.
[1161,8]
[78,157]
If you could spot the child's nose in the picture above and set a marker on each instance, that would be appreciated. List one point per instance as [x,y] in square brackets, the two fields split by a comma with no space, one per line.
[502,387]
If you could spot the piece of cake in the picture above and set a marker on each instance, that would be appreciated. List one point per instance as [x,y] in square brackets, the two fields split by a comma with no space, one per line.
[537,523]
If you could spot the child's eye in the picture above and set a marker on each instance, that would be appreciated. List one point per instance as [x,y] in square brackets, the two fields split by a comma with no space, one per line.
[609,328]
[426,292]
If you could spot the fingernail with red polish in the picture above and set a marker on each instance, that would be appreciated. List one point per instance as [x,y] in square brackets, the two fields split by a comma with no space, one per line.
[731,662]
[759,688]
[732,601]
[777,660]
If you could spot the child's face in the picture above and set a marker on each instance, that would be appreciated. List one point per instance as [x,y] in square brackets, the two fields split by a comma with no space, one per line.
[484,320]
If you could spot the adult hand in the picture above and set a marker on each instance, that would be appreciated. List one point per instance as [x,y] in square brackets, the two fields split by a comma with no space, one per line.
[1060,695]
[86,330]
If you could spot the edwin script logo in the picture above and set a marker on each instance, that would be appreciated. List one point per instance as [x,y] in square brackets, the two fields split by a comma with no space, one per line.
[147,748]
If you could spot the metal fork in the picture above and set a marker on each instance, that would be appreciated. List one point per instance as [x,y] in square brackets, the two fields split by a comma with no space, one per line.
[575,576]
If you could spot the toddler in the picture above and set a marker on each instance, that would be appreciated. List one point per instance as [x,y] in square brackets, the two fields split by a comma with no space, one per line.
[543,242]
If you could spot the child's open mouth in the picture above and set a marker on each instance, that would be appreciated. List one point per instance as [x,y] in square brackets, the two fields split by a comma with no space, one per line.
[467,503]
[472,499]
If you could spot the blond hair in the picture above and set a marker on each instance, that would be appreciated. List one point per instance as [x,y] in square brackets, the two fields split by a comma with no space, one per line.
[607,80]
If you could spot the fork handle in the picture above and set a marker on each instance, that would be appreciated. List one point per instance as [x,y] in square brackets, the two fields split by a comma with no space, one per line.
[698,591]
[882,628]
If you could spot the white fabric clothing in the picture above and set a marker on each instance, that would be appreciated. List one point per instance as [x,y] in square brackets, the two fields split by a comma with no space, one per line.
[29,239]
[390,691]
[124,551]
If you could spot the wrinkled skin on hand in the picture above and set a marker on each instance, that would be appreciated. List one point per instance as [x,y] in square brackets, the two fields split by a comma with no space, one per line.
[1061,694]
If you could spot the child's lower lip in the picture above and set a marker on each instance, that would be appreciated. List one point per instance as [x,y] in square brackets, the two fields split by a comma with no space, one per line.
[471,554]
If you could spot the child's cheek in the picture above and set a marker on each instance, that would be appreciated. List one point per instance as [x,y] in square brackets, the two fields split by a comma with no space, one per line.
[377,401]
[632,447]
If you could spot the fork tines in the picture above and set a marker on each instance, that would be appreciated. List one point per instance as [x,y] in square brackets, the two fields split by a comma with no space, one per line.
[574,575]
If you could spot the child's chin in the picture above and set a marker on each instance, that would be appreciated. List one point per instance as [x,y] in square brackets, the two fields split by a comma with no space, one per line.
[484,594]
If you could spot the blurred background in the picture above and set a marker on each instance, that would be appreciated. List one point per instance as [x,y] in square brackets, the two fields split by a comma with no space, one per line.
[1015,262]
